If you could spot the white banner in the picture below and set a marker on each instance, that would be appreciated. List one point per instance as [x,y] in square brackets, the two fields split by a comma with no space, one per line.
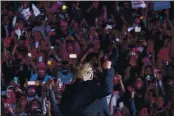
[138,4]
[26,13]
[36,10]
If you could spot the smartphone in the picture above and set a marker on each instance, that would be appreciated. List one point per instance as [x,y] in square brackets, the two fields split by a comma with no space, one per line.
[8,93]
[16,80]
[52,47]
[167,63]
[148,77]
[117,39]
[37,44]
[40,58]
[73,56]
[31,82]
[96,20]
[29,54]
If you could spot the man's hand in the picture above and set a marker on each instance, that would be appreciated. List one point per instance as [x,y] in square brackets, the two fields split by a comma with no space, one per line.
[107,65]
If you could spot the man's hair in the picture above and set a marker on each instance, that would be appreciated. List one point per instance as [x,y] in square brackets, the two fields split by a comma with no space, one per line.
[85,72]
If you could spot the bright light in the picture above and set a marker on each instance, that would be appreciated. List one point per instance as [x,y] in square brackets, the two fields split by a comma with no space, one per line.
[64,7]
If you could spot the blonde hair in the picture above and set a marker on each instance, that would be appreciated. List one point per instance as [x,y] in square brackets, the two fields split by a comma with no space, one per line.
[85,72]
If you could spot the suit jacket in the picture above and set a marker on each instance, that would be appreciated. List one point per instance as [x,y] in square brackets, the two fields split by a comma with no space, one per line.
[78,96]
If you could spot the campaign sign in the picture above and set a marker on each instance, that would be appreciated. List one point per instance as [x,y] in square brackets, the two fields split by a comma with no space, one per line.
[160,5]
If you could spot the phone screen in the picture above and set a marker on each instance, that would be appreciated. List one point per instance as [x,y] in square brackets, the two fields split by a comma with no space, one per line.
[31,82]
[72,56]
[37,44]
[40,58]
[16,80]
[117,39]
[29,54]
[52,47]
[148,77]
[8,93]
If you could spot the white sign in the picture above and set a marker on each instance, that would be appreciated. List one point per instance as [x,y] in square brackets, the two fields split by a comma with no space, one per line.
[137,29]
[138,4]
[14,21]
[26,13]
[18,33]
[130,29]
[36,10]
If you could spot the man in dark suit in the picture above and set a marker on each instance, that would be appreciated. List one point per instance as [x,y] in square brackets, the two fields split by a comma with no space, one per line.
[85,97]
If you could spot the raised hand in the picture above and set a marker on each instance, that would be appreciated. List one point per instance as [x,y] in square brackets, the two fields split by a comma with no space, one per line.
[107,65]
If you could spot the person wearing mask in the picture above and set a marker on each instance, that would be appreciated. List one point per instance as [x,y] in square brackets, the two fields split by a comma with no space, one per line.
[85,95]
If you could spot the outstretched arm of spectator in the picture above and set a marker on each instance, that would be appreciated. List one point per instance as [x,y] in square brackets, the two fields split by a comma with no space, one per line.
[133,106]
[161,87]
[122,85]
[44,108]
[55,109]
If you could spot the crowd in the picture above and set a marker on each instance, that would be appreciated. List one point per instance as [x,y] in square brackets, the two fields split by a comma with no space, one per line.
[60,59]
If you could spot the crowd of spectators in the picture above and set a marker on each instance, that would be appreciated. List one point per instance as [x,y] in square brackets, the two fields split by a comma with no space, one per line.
[60,59]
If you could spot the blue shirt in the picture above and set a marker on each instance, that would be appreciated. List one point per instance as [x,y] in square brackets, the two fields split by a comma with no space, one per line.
[35,76]
[65,78]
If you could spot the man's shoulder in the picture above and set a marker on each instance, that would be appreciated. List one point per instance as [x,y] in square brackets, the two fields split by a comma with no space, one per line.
[34,77]
[48,76]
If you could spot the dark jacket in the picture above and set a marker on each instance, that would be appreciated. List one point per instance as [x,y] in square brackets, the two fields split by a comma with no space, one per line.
[3,31]
[81,94]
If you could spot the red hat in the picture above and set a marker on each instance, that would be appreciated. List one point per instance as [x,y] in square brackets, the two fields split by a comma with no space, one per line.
[41,65]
